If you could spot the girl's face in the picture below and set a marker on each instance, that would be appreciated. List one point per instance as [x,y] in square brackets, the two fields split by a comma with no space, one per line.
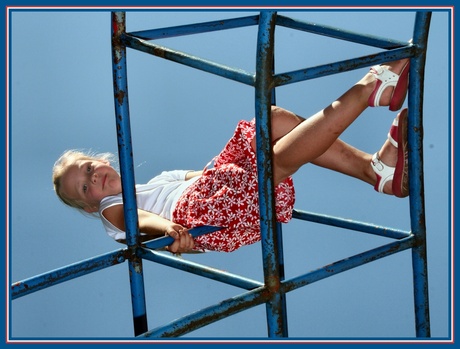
[89,181]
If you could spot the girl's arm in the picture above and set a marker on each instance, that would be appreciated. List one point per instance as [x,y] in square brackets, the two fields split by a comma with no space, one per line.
[192,174]
[154,226]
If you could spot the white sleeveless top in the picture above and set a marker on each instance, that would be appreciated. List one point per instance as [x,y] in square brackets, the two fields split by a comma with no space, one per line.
[158,196]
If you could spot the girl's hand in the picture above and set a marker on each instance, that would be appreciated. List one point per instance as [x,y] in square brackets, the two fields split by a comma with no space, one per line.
[183,240]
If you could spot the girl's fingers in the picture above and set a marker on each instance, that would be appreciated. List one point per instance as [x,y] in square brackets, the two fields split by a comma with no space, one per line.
[184,243]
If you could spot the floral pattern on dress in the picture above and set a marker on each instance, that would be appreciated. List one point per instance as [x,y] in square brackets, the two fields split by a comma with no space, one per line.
[227,196]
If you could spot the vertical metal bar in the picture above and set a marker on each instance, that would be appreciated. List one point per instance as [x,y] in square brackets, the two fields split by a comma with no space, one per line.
[417,203]
[279,232]
[283,308]
[263,89]
[127,171]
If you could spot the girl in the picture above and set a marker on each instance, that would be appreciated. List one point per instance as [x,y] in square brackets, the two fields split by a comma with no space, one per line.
[226,195]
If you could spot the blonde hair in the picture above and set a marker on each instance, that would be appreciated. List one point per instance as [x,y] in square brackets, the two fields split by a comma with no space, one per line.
[67,159]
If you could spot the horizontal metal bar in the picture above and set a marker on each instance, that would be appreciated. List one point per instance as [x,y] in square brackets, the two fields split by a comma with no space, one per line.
[350,224]
[167,240]
[210,314]
[198,269]
[342,66]
[348,263]
[72,271]
[235,74]
[196,28]
[338,33]
[258,296]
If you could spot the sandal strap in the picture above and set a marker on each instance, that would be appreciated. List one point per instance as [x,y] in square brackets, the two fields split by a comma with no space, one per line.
[393,133]
[384,172]
[387,77]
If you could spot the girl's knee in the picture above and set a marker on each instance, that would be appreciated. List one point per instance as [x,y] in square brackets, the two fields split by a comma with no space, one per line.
[275,109]
[283,122]
[278,112]
[281,171]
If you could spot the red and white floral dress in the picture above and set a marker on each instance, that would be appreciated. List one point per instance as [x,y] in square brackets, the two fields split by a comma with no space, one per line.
[226,196]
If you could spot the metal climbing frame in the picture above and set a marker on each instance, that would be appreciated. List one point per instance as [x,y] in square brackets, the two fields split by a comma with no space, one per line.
[273,289]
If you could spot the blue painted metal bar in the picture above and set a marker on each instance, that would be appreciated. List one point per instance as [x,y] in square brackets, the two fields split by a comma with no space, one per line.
[196,28]
[123,128]
[90,265]
[338,33]
[417,201]
[210,314]
[261,295]
[69,272]
[125,153]
[198,269]
[263,87]
[224,71]
[272,291]
[279,237]
[167,240]
[342,66]
[348,263]
[263,129]
[283,302]
[350,224]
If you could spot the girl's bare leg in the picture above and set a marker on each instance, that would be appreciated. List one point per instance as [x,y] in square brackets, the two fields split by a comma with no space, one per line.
[316,139]
[344,158]
[340,156]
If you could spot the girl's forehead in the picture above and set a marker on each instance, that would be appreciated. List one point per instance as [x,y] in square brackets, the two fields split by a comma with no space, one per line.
[81,162]
[69,179]
[72,171]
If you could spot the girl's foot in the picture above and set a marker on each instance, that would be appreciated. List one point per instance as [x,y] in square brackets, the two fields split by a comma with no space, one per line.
[390,163]
[391,84]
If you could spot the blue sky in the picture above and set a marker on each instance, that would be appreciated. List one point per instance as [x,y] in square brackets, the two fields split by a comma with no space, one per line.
[61,98]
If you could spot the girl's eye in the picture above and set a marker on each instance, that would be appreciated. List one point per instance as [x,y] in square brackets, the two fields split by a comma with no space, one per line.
[88,169]
[85,188]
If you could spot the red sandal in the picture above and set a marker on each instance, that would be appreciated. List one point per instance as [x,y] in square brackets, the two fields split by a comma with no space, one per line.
[401,176]
[400,173]
[386,78]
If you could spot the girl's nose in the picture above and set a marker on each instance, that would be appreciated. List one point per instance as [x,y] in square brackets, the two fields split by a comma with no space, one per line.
[94,178]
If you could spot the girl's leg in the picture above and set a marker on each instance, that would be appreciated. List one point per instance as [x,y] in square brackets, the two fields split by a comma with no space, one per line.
[344,158]
[316,139]
[340,156]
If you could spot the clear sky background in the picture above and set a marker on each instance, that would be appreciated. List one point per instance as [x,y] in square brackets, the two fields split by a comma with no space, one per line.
[62,97]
